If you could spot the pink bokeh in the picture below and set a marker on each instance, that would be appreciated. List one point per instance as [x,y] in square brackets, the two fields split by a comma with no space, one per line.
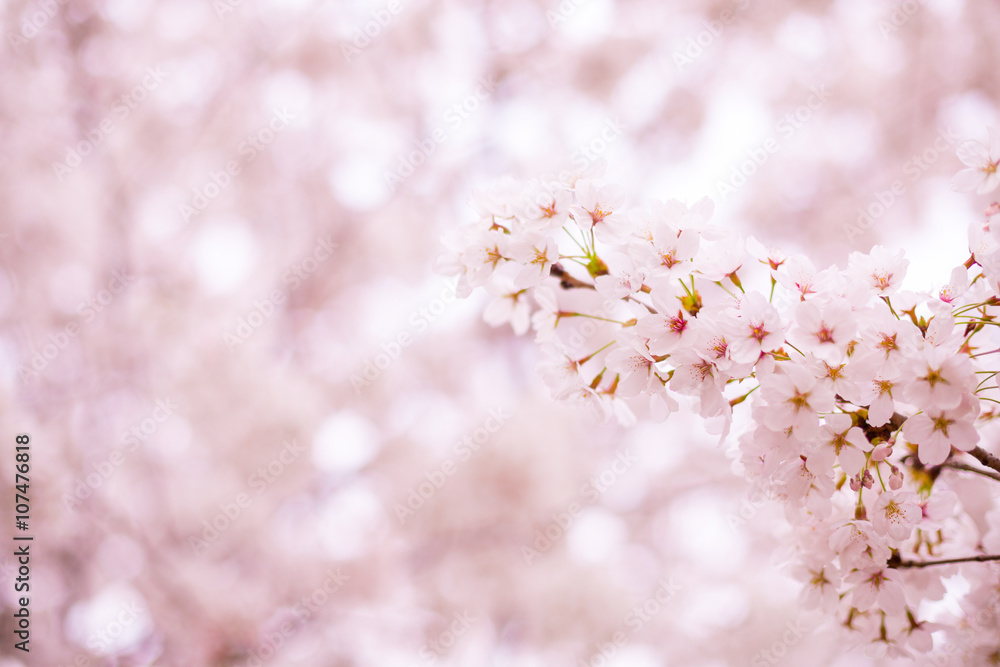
[264,431]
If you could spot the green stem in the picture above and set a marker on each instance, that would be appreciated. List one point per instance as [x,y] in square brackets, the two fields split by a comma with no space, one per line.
[794,348]
[593,317]
[594,353]
[739,399]
[891,309]
[578,244]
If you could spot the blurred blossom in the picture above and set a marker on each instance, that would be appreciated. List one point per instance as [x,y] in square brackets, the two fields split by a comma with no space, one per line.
[150,209]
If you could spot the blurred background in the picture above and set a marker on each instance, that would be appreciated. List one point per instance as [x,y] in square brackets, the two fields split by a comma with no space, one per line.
[264,432]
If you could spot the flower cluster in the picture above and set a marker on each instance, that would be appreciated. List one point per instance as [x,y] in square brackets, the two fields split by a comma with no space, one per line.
[859,393]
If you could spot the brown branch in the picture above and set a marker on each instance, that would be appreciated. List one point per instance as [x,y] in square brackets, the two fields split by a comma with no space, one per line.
[987,459]
[896,562]
[964,466]
[567,281]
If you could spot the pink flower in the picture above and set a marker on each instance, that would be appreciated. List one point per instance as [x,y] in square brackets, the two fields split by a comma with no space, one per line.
[882,271]
[848,442]
[486,251]
[957,285]
[878,588]
[806,483]
[942,379]
[758,329]
[794,400]
[669,250]
[825,330]
[936,431]
[635,367]
[769,257]
[882,451]
[595,209]
[547,206]
[858,545]
[821,588]
[710,343]
[887,341]
[982,161]
[537,253]
[895,514]
[562,375]
[546,318]
[681,217]
[510,305]
[668,328]
[799,275]
[623,278]
[940,506]
[875,391]
[722,258]
[696,376]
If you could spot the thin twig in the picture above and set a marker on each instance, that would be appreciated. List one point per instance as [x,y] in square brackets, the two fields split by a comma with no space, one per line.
[966,467]
[897,563]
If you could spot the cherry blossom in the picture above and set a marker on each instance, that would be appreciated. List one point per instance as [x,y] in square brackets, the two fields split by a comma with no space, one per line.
[825,330]
[887,342]
[794,400]
[400,110]
[877,588]
[694,375]
[876,391]
[881,270]
[798,275]
[895,514]
[546,318]
[722,259]
[982,161]
[937,431]
[846,441]
[668,327]
[857,545]
[562,374]
[595,210]
[510,306]
[957,285]
[537,253]
[487,251]
[547,206]
[623,277]
[863,398]
[822,585]
[669,251]
[635,367]
[758,329]
[772,258]
[940,379]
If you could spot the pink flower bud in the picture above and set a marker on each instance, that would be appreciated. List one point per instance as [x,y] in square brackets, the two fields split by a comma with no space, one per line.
[882,451]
